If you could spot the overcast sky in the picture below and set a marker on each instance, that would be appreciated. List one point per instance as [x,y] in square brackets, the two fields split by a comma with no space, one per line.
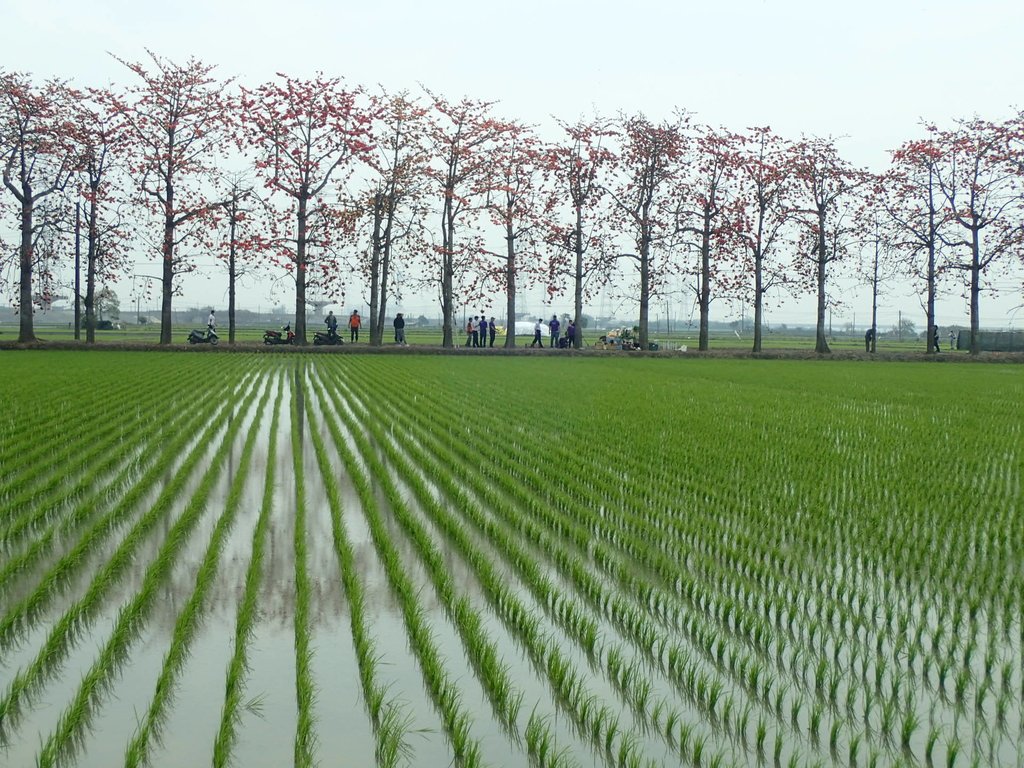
[868,72]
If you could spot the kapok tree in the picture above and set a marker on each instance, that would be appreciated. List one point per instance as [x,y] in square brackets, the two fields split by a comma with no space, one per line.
[706,211]
[761,185]
[306,135]
[513,198]
[980,177]
[456,137]
[39,145]
[392,201]
[914,206]
[648,163]
[103,146]
[177,121]
[239,240]
[577,164]
[822,185]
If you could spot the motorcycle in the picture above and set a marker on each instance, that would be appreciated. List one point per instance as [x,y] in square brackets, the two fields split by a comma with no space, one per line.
[284,336]
[198,337]
[323,339]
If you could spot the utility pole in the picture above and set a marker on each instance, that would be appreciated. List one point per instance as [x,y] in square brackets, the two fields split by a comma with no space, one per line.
[899,325]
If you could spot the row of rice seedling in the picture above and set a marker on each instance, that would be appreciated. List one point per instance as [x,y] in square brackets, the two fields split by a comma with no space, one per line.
[131,619]
[104,522]
[824,646]
[81,500]
[441,686]
[150,727]
[69,628]
[749,564]
[599,724]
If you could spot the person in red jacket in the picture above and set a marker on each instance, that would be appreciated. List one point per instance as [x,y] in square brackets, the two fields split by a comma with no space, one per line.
[355,322]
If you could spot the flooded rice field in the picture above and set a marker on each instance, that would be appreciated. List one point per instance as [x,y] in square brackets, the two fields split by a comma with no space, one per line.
[353,561]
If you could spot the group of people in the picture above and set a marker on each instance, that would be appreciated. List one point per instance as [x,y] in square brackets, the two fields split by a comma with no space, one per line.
[869,337]
[355,322]
[554,327]
[480,331]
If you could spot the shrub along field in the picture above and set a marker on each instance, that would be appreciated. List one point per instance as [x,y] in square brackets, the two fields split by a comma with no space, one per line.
[352,560]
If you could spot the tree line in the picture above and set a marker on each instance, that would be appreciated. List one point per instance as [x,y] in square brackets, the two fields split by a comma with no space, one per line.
[316,179]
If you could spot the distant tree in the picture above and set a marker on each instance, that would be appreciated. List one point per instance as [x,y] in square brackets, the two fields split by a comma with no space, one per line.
[648,164]
[577,164]
[306,135]
[392,203]
[457,135]
[980,176]
[101,164]
[910,195]
[238,219]
[107,303]
[822,184]
[762,181]
[39,146]
[513,198]
[706,212]
[176,120]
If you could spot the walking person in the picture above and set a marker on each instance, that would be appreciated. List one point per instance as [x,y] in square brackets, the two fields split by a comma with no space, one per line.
[492,330]
[935,339]
[537,341]
[355,322]
[399,329]
[553,327]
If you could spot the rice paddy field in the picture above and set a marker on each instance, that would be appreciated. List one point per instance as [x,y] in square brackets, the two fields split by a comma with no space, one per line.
[354,560]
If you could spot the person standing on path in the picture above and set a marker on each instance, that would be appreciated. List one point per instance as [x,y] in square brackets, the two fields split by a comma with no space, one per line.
[355,322]
[869,336]
[332,325]
[399,329]
[554,326]
[952,339]
[492,330]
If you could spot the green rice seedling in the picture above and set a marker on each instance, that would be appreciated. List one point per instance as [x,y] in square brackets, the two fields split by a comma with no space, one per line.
[761,733]
[833,738]
[952,751]
[929,746]
[853,750]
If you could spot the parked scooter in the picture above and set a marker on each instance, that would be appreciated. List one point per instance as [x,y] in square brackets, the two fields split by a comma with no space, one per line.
[324,339]
[284,336]
[198,337]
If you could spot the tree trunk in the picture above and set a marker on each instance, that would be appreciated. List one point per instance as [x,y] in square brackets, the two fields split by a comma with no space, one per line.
[975,291]
[704,297]
[510,286]
[447,273]
[376,315]
[91,255]
[821,342]
[578,281]
[231,272]
[26,331]
[758,297]
[300,272]
[645,290]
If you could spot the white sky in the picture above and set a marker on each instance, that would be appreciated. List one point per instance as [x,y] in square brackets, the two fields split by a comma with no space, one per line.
[868,72]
